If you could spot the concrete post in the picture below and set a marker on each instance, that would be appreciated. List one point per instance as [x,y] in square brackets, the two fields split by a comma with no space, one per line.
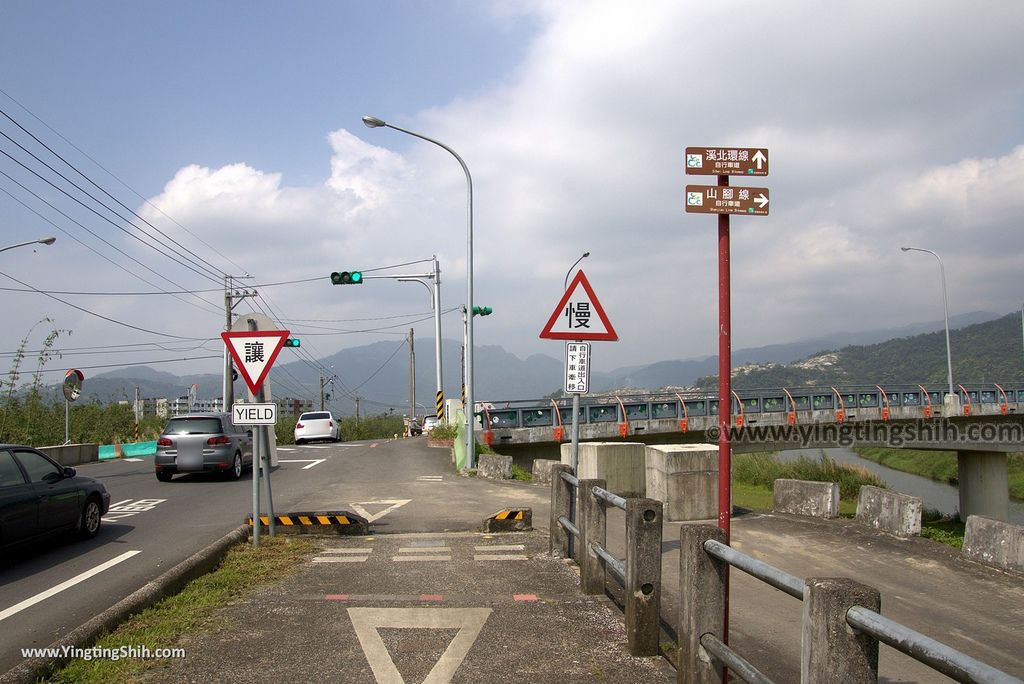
[643,575]
[593,519]
[832,651]
[984,486]
[561,495]
[702,580]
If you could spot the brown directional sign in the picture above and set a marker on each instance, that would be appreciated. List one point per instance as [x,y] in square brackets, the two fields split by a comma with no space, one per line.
[727,161]
[725,199]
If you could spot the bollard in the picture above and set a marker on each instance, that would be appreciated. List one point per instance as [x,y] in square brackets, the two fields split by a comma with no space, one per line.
[643,575]
[593,528]
[561,495]
[831,650]
[702,580]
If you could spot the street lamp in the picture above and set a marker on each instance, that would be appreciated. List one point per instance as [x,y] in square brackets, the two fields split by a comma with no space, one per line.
[40,241]
[374,122]
[945,311]
[566,286]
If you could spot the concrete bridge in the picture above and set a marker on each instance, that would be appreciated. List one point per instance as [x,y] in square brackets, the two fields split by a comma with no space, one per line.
[981,423]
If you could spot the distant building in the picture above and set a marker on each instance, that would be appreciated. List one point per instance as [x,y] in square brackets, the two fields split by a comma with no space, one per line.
[292,406]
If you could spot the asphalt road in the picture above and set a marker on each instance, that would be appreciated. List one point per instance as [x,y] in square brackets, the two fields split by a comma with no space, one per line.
[399,485]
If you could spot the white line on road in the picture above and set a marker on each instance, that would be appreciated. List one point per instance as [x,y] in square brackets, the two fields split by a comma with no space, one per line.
[311,461]
[340,559]
[496,547]
[424,549]
[8,612]
[497,557]
[355,550]
[421,558]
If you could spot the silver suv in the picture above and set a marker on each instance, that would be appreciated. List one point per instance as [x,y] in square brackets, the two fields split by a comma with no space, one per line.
[198,442]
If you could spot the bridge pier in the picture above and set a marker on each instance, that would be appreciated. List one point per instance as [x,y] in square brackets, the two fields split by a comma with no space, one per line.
[984,485]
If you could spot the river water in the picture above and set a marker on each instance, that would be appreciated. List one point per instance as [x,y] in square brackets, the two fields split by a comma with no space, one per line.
[936,495]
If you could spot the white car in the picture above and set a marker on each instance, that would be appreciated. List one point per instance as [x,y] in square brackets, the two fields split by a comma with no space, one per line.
[429,423]
[317,425]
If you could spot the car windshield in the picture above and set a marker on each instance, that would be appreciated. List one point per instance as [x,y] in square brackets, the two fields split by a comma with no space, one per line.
[316,416]
[193,426]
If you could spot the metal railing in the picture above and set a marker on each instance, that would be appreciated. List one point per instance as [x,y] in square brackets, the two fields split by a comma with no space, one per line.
[640,570]
[702,559]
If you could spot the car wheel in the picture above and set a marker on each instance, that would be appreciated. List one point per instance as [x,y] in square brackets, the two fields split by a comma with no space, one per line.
[164,476]
[89,525]
[236,467]
[298,442]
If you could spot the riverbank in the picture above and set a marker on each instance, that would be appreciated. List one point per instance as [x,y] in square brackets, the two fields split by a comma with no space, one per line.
[940,465]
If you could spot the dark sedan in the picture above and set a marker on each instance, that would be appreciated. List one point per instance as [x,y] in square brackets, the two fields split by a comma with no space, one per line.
[41,498]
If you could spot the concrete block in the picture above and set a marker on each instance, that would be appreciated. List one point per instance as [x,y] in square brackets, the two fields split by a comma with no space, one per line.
[891,512]
[994,542]
[620,464]
[684,477]
[800,497]
[73,454]
[831,652]
[494,467]
[542,470]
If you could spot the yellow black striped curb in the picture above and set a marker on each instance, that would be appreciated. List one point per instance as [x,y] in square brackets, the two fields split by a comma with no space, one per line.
[320,522]
[512,519]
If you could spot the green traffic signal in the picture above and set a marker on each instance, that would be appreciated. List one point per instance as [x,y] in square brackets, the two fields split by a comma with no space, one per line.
[347,278]
[482,311]
[293,342]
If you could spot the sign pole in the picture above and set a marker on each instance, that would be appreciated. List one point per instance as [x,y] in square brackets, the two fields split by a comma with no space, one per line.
[724,397]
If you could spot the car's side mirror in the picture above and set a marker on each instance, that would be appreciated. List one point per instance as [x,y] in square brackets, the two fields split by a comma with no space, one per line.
[69,472]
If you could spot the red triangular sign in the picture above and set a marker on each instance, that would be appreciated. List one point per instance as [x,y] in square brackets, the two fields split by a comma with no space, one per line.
[254,352]
[579,315]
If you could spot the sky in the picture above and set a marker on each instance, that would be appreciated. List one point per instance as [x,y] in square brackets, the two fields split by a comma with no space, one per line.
[231,132]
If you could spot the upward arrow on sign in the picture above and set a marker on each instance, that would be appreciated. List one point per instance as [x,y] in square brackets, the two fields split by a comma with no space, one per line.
[254,352]
[579,316]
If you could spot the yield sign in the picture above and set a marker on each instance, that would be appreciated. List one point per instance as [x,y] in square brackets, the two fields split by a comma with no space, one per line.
[579,315]
[254,352]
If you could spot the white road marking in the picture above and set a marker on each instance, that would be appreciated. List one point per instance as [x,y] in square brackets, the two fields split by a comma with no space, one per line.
[496,557]
[360,550]
[391,504]
[367,622]
[424,549]
[42,596]
[311,461]
[429,478]
[133,460]
[509,547]
[340,559]
[421,558]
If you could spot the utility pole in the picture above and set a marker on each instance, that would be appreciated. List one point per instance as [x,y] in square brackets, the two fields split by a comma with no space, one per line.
[412,377]
[321,393]
[230,297]
[357,410]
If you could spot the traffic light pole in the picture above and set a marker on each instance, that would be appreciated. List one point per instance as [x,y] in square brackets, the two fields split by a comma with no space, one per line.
[230,295]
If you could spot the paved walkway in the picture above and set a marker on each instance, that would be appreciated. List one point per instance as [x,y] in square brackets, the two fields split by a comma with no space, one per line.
[423,607]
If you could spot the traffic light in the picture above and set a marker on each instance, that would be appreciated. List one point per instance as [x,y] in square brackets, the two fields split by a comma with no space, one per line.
[347,278]
[292,342]
[482,311]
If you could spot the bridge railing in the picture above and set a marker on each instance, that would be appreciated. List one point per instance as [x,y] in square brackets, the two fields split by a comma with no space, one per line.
[991,397]
[831,605]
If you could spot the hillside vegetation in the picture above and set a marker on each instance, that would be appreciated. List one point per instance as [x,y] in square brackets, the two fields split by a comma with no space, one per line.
[982,353]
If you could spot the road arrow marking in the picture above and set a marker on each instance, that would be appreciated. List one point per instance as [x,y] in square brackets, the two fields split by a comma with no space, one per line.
[367,622]
[391,504]
[761,200]
[759,159]
[311,461]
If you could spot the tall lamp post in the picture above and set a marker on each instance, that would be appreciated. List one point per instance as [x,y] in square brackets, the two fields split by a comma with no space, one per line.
[945,312]
[374,122]
[40,241]
[569,272]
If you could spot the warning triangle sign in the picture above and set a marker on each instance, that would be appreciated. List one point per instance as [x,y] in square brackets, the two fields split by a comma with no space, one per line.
[254,352]
[579,315]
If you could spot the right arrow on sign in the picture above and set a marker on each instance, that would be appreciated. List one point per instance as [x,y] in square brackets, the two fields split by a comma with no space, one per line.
[761,200]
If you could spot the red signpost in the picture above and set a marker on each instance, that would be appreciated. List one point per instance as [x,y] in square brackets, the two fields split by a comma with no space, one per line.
[723,200]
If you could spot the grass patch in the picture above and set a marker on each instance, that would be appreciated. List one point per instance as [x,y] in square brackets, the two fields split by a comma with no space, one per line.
[522,474]
[764,468]
[761,497]
[940,465]
[942,528]
[192,611]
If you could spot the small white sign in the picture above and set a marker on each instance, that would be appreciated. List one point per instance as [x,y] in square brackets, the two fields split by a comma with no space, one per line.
[254,414]
[577,367]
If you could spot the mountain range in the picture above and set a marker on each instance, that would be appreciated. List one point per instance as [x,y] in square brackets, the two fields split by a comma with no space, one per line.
[378,373]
